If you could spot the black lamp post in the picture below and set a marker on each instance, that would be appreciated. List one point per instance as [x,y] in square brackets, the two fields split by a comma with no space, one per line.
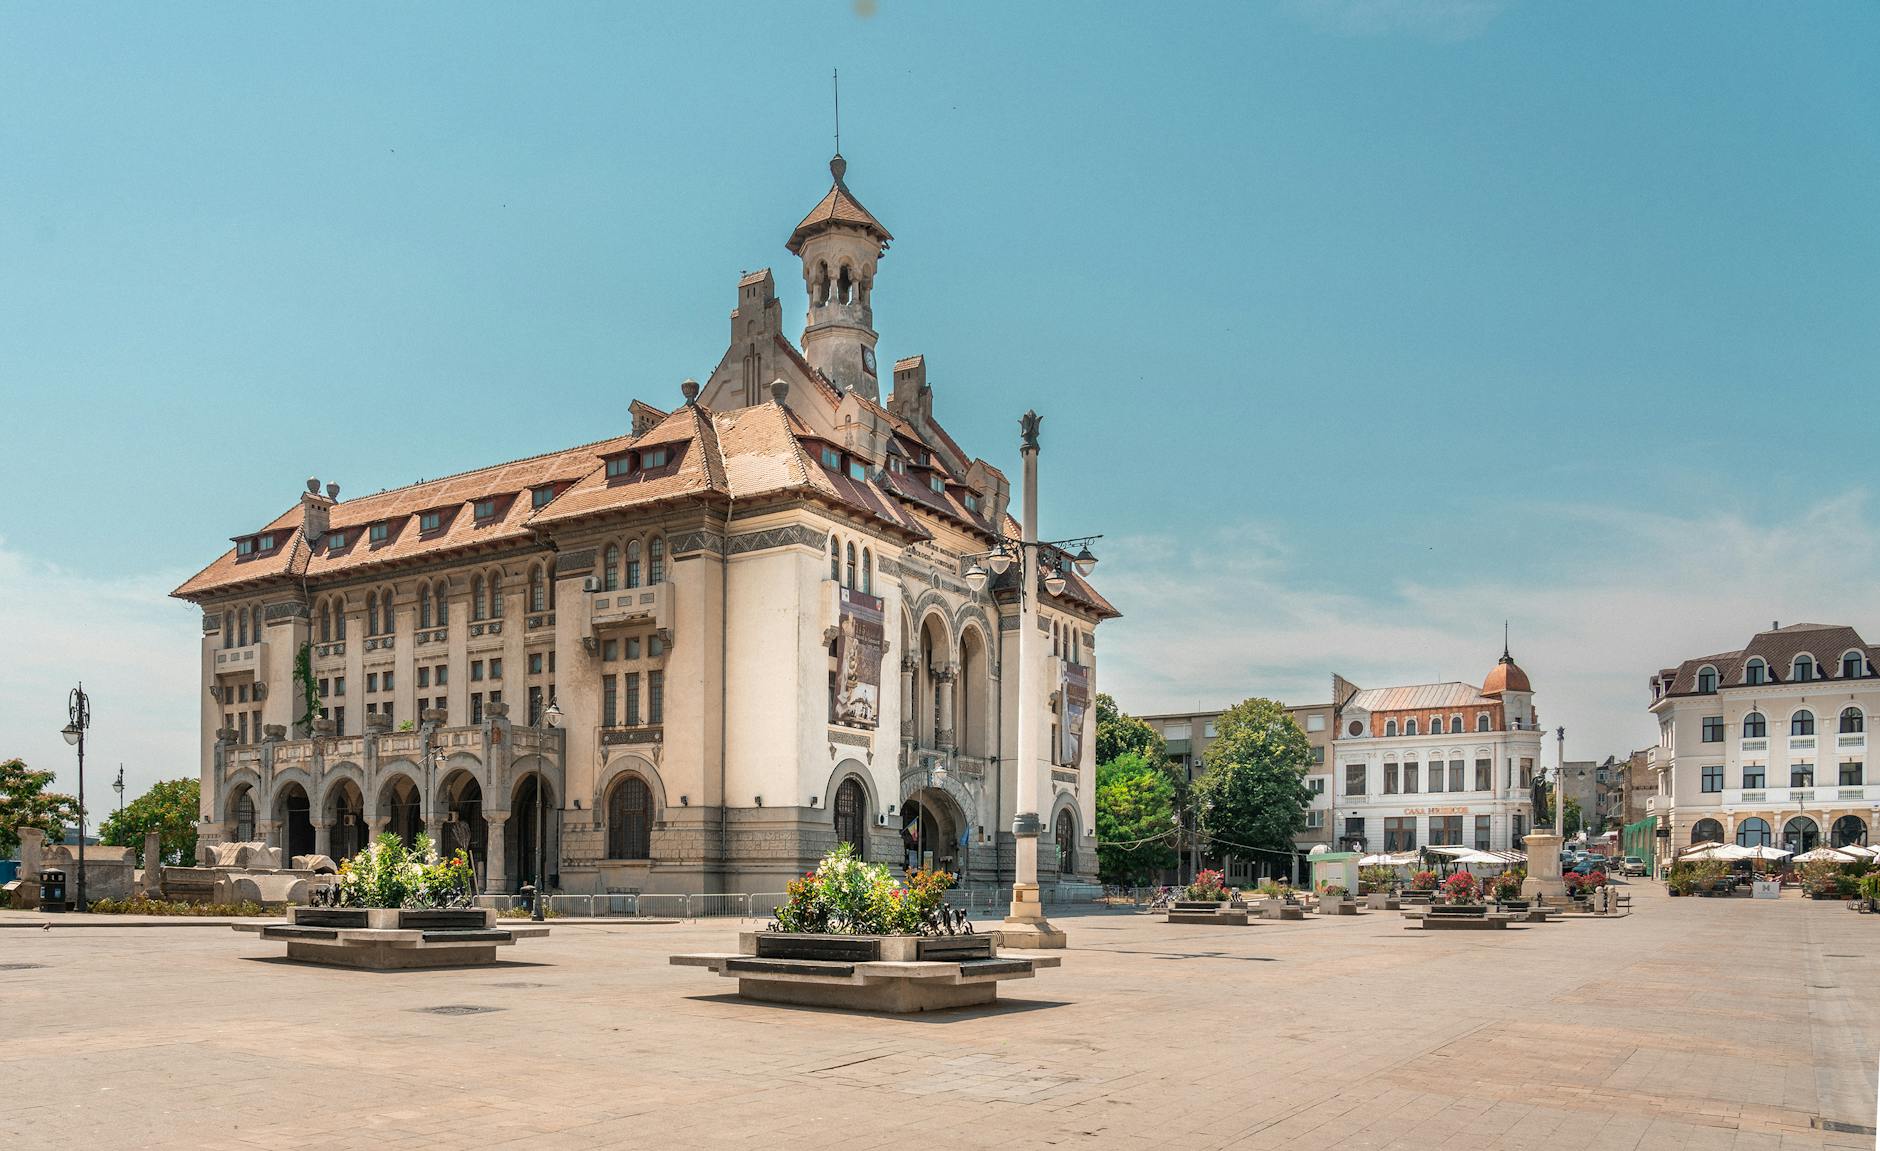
[119,788]
[552,717]
[78,706]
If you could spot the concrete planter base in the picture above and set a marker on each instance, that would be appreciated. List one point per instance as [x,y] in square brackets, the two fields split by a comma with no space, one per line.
[887,974]
[1205,911]
[389,939]
[1338,907]
[1383,901]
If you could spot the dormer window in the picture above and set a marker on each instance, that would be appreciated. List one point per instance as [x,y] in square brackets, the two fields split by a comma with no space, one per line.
[245,546]
[1707,679]
[485,510]
[1804,668]
[897,465]
[539,496]
[937,484]
[831,459]
[618,466]
[430,521]
[335,541]
[380,532]
[1755,672]
[972,501]
[857,469]
[654,458]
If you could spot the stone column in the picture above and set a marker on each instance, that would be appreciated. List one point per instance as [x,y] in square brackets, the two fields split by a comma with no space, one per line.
[434,827]
[496,867]
[377,825]
[323,837]
[908,667]
[944,679]
[264,832]
[32,852]
[153,864]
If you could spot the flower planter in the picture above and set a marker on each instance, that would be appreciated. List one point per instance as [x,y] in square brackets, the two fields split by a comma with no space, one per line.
[392,939]
[1338,907]
[1383,901]
[1457,916]
[1282,909]
[891,974]
[1419,896]
[1205,911]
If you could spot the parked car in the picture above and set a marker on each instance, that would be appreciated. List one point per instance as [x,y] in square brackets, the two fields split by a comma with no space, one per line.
[1633,865]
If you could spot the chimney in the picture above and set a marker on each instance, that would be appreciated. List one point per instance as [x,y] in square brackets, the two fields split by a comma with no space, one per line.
[314,509]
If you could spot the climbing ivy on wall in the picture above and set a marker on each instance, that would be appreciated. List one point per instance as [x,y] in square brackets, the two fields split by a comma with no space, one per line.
[309,694]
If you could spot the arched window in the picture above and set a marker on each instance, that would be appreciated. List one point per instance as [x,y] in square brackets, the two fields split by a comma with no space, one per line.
[1755,671]
[610,568]
[1410,726]
[388,622]
[1436,725]
[1752,832]
[228,629]
[538,592]
[1802,723]
[424,605]
[1707,831]
[655,562]
[372,613]
[1848,829]
[868,572]
[1804,668]
[1066,834]
[1852,720]
[633,567]
[496,595]
[241,627]
[255,627]
[1754,726]
[245,817]
[850,582]
[551,581]
[1390,728]
[1481,722]
[630,819]
[479,606]
[326,621]
[852,816]
[1800,835]
[442,594]
[835,559]
[339,618]
[1853,666]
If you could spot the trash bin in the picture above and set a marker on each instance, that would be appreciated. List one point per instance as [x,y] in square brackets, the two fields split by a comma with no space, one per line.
[52,890]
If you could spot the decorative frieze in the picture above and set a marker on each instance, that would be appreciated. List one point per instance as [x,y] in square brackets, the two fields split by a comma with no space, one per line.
[286,609]
[534,622]
[574,562]
[211,621]
[851,738]
[790,535]
[620,735]
[692,543]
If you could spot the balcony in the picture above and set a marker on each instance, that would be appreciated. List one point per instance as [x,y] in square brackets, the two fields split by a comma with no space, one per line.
[1852,739]
[1756,745]
[252,658]
[1801,743]
[1800,797]
[633,605]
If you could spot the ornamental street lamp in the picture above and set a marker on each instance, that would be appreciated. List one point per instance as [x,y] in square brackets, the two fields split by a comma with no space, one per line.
[552,717]
[1039,561]
[78,706]
[119,788]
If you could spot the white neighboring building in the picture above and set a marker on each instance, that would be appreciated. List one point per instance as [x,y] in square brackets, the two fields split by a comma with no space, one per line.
[1436,764]
[1767,745]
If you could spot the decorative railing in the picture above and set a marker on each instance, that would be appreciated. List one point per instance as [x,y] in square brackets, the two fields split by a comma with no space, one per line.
[629,604]
[247,658]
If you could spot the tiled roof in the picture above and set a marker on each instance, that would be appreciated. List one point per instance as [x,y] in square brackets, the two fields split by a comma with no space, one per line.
[692,470]
[838,206]
[1778,649]
[1418,697]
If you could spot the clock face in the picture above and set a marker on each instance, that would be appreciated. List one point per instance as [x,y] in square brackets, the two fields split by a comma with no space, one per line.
[868,360]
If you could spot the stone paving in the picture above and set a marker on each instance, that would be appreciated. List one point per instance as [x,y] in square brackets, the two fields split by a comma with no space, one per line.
[1689,1024]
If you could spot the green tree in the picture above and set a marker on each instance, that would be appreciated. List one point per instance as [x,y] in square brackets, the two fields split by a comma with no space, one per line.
[169,808]
[1119,735]
[1135,820]
[25,802]
[1253,794]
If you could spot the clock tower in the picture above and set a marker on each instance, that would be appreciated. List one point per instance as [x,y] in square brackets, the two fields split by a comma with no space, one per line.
[839,243]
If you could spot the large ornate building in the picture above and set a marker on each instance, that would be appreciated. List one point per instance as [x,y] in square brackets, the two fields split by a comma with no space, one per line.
[715,643]
[1767,745]
[1436,764]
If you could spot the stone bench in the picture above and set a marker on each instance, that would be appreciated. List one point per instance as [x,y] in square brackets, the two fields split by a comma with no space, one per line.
[1338,907]
[391,939]
[1206,911]
[895,974]
[1442,917]
[1274,909]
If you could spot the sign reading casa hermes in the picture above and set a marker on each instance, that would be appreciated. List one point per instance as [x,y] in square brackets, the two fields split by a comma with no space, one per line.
[1076,697]
[857,701]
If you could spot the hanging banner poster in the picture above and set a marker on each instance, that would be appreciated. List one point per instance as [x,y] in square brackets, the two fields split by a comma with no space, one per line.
[1074,689]
[859,651]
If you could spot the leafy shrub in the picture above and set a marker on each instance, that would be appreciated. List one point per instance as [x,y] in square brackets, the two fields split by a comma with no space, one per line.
[1507,885]
[1821,877]
[1209,886]
[141,905]
[1378,879]
[1274,889]
[1870,886]
[387,875]
[1334,891]
[845,896]
[1462,888]
[1423,880]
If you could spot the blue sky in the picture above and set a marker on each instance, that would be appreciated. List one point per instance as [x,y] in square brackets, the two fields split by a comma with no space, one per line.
[1358,326]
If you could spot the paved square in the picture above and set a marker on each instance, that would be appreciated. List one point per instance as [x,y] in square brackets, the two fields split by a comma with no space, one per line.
[1691,1024]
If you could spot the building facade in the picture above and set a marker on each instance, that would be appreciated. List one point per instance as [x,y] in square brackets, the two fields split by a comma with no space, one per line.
[1436,764]
[1187,736]
[1768,744]
[690,656]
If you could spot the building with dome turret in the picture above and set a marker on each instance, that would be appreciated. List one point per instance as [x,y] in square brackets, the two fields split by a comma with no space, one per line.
[689,656]
[1436,764]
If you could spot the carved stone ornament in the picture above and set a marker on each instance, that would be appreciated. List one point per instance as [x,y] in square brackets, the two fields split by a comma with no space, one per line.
[215,692]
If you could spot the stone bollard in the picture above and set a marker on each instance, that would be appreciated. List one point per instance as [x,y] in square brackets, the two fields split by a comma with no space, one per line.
[32,851]
[152,881]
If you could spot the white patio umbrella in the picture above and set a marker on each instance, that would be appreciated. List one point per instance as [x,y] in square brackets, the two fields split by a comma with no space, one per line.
[1764,853]
[1834,854]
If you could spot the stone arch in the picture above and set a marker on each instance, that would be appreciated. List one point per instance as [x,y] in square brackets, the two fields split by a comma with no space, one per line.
[455,763]
[1065,805]
[243,785]
[842,771]
[290,807]
[523,859]
[974,698]
[387,772]
[397,799]
[293,775]
[1848,829]
[941,816]
[335,775]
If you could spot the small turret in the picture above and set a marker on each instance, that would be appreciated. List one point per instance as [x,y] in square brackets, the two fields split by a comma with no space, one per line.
[839,243]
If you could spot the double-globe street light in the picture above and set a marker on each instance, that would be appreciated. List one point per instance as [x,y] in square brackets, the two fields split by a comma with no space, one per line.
[1034,558]
[552,717]
[78,707]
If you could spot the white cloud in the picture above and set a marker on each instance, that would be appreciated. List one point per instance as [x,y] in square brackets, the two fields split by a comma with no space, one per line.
[134,648]
[1439,20]
[1636,591]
